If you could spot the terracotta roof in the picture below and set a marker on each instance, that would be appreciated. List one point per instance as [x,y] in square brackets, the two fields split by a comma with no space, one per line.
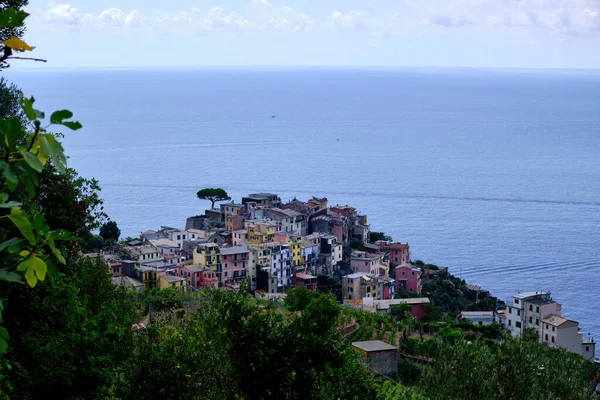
[556,320]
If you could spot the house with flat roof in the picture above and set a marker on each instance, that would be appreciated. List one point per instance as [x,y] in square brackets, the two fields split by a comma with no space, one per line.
[477,317]
[380,356]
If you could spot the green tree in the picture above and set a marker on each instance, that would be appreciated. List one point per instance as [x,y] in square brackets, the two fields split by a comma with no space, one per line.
[16,29]
[400,311]
[213,195]
[27,244]
[110,231]
[375,236]
[298,298]
[530,335]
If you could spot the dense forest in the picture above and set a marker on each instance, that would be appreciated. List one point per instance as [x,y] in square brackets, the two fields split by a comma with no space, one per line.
[68,332]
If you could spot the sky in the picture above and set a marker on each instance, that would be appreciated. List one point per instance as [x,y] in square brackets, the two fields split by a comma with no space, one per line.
[431,33]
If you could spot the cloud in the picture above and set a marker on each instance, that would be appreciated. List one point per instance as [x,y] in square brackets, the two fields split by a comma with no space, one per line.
[64,14]
[449,22]
[355,20]
[260,14]
[116,17]
[262,3]
[562,17]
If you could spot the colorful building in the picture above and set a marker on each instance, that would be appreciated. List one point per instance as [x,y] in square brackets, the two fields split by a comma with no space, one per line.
[408,277]
[167,281]
[198,276]
[399,253]
[259,233]
[235,262]
[361,261]
[358,285]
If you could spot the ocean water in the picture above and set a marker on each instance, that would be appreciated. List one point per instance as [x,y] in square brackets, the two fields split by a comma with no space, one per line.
[494,173]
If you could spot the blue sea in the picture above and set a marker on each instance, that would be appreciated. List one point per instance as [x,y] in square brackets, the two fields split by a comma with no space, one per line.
[493,173]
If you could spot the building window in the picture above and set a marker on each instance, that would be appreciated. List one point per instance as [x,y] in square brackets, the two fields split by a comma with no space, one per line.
[587,348]
[518,324]
[519,312]
[178,237]
[537,310]
[537,321]
[509,322]
[546,337]
[530,307]
[552,339]
[552,329]
[510,310]
[516,301]
[546,326]
[530,320]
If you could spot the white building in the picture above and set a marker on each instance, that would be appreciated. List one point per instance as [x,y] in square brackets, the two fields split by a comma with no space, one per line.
[281,267]
[537,310]
[478,317]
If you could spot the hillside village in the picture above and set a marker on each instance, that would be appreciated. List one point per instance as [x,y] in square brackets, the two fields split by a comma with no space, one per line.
[272,246]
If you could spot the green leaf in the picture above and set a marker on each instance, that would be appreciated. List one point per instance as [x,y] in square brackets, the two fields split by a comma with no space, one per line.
[13,245]
[56,252]
[3,346]
[59,116]
[11,18]
[3,340]
[73,125]
[4,203]
[9,276]
[21,220]
[11,132]
[40,225]
[35,270]
[61,234]
[32,160]
[12,180]
[52,148]
[27,107]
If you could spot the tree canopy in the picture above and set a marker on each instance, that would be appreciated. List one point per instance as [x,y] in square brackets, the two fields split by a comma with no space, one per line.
[110,231]
[375,236]
[213,195]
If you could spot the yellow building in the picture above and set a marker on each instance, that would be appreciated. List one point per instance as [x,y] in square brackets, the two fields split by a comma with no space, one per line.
[295,245]
[167,281]
[259,233]
[209,255]
[148,276]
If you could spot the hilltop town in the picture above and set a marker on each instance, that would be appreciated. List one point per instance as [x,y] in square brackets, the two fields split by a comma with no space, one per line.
[272,247]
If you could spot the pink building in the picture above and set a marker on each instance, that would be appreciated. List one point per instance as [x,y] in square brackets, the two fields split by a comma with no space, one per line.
[399,253]
[301,278]
[198,276]
[115,268]
[408,277]
[234,261]
[361,261]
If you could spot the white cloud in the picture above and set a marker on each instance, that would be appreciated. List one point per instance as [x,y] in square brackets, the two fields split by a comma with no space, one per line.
[262,3]
[564,17]
[355,20]
[449,22]
[64,14]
